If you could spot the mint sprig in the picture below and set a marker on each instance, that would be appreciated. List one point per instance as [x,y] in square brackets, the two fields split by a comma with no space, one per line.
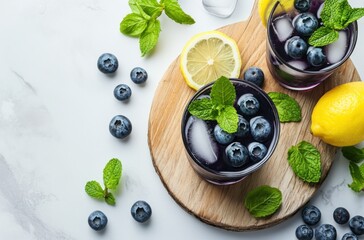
[263,201]
[357,173]
[353,154]
[305,161]
[111,177]
[288,108]
[336,15]
[143,22]
[219,106]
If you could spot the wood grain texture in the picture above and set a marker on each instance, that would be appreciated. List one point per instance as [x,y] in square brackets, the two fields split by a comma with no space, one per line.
[222,206]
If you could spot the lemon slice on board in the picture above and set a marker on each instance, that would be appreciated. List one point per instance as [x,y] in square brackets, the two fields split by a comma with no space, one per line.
[208,56]
[266,6]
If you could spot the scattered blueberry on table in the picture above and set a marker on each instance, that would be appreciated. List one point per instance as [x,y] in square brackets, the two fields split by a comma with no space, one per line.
[325,232]
[97,220]
[138,75]
[341,215]
[254,75]
[356,225]
[122,92]
[141,211]
[120,126]
[349,236]
[107,63]
[304,232]
[311,215]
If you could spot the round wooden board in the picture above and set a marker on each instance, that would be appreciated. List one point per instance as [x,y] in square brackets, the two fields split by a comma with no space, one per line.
[222,206]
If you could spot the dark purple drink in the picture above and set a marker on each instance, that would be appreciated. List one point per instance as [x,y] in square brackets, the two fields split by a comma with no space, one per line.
[301,72]
[209,157]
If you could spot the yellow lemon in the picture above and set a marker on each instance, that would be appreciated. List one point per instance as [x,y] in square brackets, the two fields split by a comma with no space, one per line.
[266,6]
[338,117]
[208,56]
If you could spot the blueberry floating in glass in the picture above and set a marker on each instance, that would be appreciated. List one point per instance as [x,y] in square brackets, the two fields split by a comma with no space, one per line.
[107,63]
[305,24]
[248,104]
[237,154]
[296,47]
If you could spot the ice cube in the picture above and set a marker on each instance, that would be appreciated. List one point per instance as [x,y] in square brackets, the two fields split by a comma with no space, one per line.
[337,50]
[283,27]
[320,10]
[201,142]
[298,64]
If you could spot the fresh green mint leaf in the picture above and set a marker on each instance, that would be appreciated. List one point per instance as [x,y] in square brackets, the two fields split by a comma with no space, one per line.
[174,11]
[203,109]
[263,201]
[133,25]
[323,36]
[112,173]
[288,108]
[110,199]
[150,7]
[305,161]
[94,189]
[228,119]
[149,38]
[358,180]
[355,14]
[223,92]
[353,154]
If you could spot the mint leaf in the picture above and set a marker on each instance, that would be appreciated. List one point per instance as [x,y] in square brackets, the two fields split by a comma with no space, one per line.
[323,36]
[149,38]
[355,14]
[110,199]
[112,173]
[263,201]
[150,7]
[174,11]
[94,189]
[358,180]
[203,109]
[353,154]
[223,92]
[305,161]
[228,119]
[133,25]
[288,108]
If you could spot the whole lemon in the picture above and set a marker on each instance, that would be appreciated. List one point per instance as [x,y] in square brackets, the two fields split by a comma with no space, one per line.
[338,117]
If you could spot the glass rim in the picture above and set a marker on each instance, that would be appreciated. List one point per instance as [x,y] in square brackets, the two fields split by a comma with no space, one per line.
[246,171]
[326,69]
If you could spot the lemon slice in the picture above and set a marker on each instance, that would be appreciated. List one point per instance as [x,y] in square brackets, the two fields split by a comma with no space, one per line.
[208,56]
[266,6]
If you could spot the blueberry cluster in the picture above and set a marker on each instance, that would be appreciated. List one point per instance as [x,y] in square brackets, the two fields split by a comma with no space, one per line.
[247,144]
[304,24]
[311,216]
[120,126]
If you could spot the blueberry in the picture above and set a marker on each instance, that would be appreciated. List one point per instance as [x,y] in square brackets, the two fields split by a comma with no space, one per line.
[316,57]
[296,47]
[243,127]
[97,220]
[257,151]
[325,232]
[305,24]
[304,232]
[221,136]
[237,154]
[141,211]
[302,5]
[349,236]
[120,126]
[260,128]
[122,92]
[138,75]
[248,104]
[356,225]
[254,75]
[341,215]
[311,215]
[107,63]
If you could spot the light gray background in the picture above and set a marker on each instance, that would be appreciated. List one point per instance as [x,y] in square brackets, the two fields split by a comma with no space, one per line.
[55,107]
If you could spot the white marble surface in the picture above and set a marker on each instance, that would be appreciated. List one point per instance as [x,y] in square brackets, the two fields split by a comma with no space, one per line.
[55,107]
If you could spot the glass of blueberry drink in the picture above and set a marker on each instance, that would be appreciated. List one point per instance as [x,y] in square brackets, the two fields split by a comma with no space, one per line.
[224,158]
[296,56]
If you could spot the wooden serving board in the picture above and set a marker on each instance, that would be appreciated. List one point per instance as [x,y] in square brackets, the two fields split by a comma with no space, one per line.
[222,206]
